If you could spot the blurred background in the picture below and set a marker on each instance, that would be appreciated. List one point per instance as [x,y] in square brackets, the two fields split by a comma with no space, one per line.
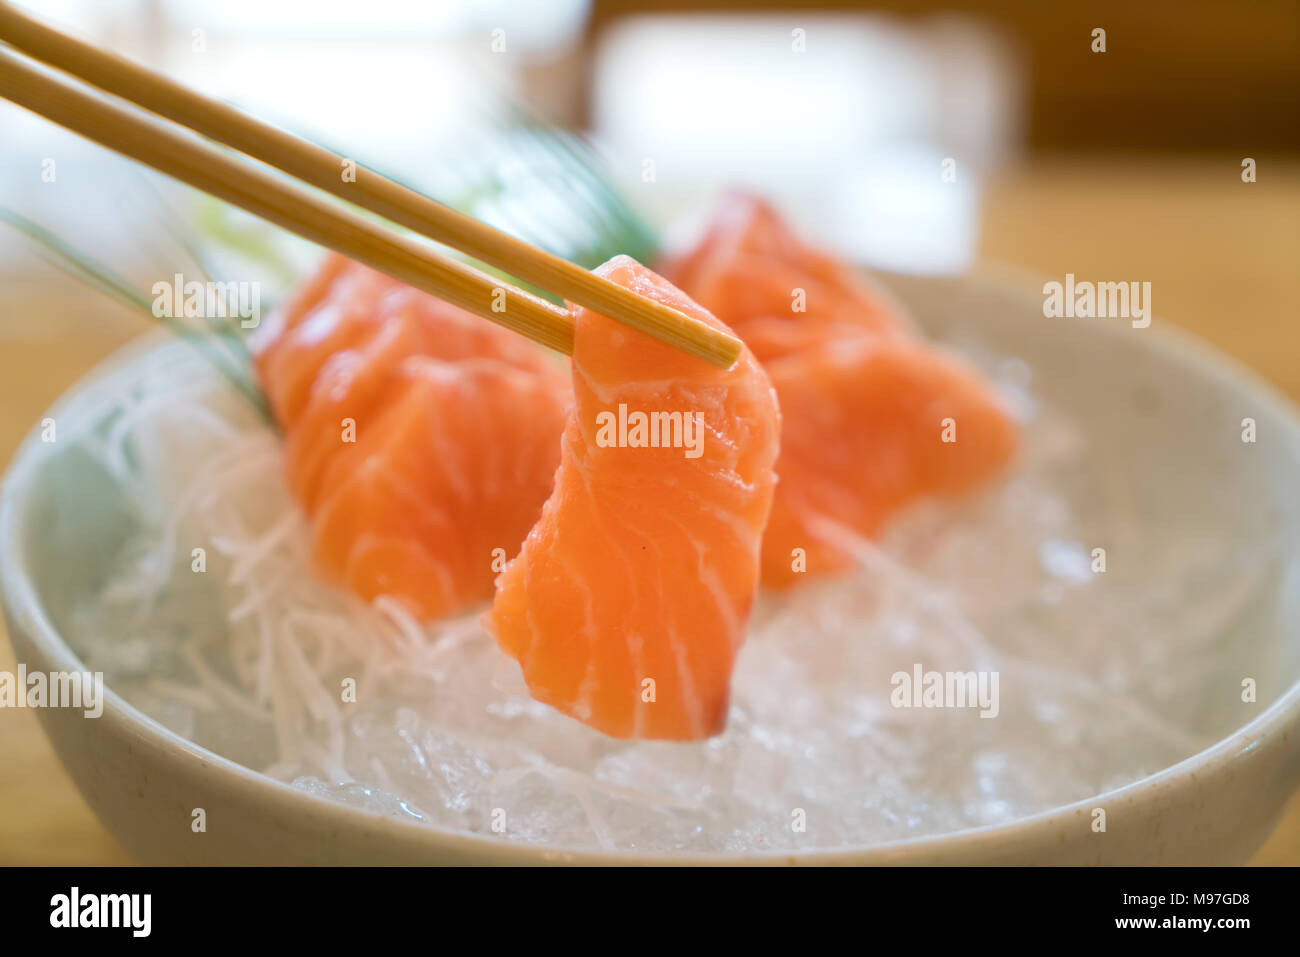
[1104,138]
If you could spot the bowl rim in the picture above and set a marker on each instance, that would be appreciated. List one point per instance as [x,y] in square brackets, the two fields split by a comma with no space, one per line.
[27,611]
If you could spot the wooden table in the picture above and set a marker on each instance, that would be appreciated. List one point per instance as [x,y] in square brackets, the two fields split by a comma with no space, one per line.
[1222,257]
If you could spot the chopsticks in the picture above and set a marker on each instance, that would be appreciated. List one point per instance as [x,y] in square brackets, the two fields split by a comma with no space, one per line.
[305,212]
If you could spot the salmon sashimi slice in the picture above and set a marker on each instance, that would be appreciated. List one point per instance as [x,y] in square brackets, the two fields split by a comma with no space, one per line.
[629,600]
[874,417]
[420,440]
[756,275]
[344,305]
[873,424]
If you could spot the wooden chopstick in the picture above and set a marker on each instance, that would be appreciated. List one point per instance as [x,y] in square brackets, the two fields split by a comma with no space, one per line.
[321,168]
[265,194]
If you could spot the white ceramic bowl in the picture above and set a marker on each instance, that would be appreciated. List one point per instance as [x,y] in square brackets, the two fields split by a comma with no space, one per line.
[1149,387]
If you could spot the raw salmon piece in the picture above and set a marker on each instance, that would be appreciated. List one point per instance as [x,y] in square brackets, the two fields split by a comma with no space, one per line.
[863,400]
[750,268]
[418,437]
[332,312]
[865,423]
[353,383]
[454,465]
[629,600]
[343,306]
